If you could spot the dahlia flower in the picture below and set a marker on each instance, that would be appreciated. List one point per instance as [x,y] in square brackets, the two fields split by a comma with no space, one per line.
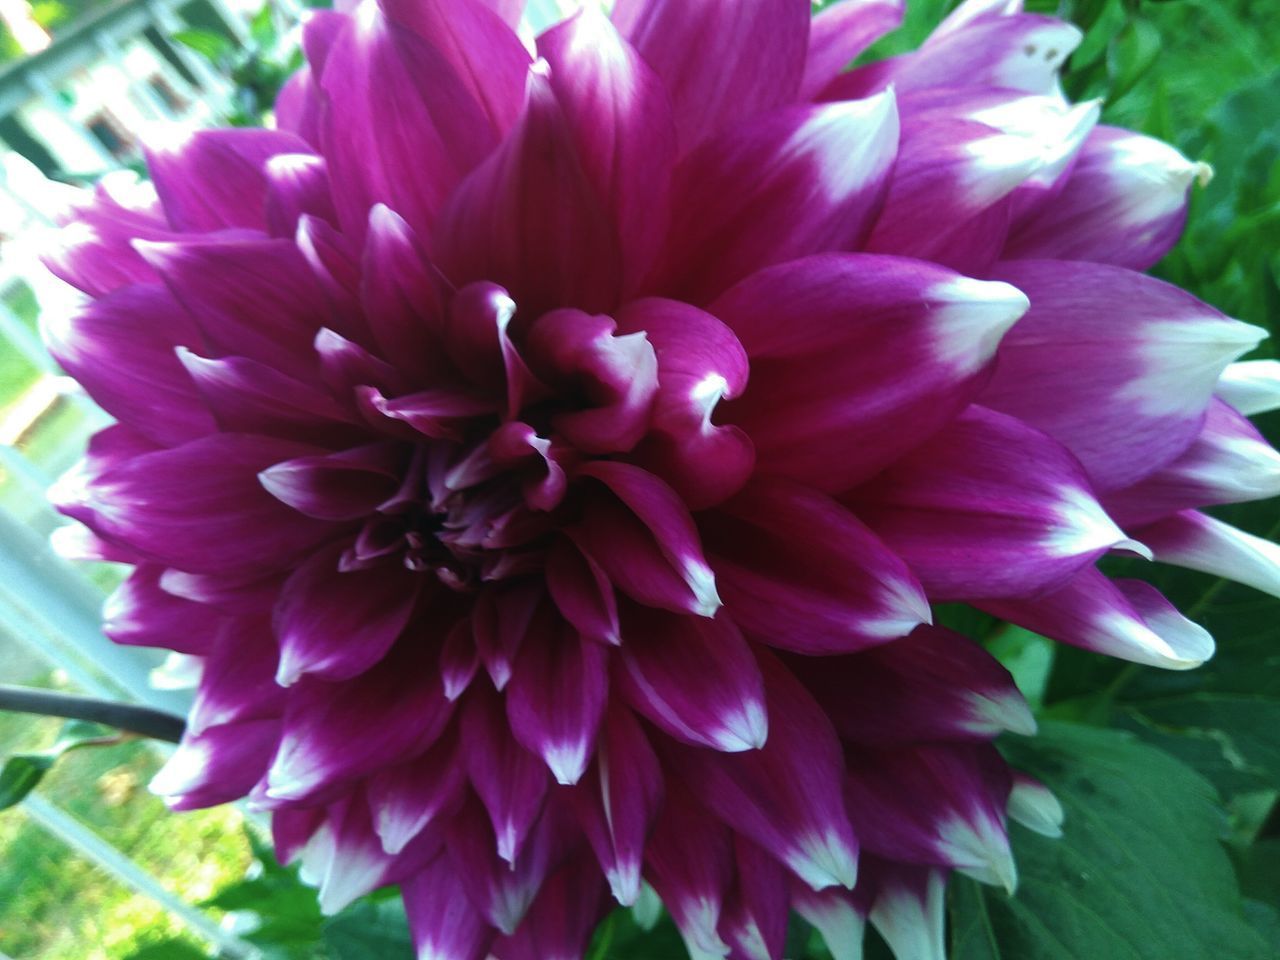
[554,449]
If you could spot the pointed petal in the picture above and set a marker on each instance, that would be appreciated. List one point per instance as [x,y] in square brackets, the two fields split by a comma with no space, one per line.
[827,336]
[199,507]
[970,520]
[646,541]
[120,349]
[582,592]
[754,922]
[909,911]
[1033,805]
[347,485]
[786,795]
[1228,462]
[247,396]
[621,122]
[840,32]
[335,625]
[719,62]
[213,179]
[444,923]
[218,765]
[270,314]
[500,621]
[529,218]
[1126,619]
[695,678]
[511,781]
[562,918]
[801,572]
[237,678]
[942,804]
[1198,542]
[795,182]
[429,789]
[618,801]
[932,685]
[1251,386]
[140,612]
[1125,203]
[1124,398]
[689,861]
[557,696]
[336,732]
[839,915]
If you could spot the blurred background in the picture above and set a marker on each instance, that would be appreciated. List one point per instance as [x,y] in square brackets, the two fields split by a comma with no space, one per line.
[91,865]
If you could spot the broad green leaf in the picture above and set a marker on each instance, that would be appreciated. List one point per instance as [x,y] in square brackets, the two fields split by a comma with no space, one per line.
[168,950]
[1139,874]
[370,929]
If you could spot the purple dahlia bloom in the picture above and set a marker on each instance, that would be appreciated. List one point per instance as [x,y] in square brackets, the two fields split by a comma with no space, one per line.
[553,450]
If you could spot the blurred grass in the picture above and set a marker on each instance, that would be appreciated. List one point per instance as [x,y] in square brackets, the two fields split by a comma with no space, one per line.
[54,905]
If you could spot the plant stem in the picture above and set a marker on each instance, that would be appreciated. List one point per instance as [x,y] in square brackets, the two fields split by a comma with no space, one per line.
[143,721]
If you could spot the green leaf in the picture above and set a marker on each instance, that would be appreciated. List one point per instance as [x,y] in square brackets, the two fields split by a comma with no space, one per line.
[1139,874]
[1131,53]
[370,929]
[23,772]
[168,950]
[20,775]
[214,47]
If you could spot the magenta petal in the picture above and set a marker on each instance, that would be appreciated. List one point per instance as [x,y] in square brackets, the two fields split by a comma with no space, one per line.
[501,619]
[120,348]
[270,314]
[406,798]
[689,861]
[582,592]
[407,151]
[721,62]
[1198,542]
[828,337]
[562,918]
[618,800]
[140,612]
[217,765]
[445,924]
[1124,203]
[754,922]
[337,732]
[792,183]
[617,373]
[700,363]
[530,220]
[650,549]
[936,805]
[786,795]
[557,696]
[511,781]
[1124,398]
[840,32]
[1229,461]
[218,178]
[695,678]
[620,118]
[347,485]
[932,685]
[200,507]
[971,520]
[297,186]
[237,678]
[801,572]
[335,625]
[1123,618]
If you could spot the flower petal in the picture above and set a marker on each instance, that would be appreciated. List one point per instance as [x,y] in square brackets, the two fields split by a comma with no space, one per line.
[828,337]
[1125,398]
